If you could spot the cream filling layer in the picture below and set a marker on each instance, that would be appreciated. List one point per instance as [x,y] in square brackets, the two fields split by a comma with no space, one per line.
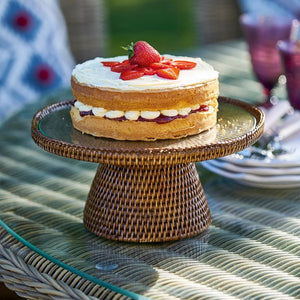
[134,115]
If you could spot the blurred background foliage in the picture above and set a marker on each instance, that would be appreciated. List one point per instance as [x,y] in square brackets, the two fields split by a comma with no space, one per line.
[166,24]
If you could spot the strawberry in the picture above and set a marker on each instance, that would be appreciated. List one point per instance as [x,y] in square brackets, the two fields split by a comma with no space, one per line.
[109,63]
[146,70]
[142,54]
[121,67]
[184,65]
[169,73]
[158,65]
[131,74]
[166,61]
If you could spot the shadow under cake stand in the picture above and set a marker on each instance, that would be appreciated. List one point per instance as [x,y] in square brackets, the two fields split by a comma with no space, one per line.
[148,191]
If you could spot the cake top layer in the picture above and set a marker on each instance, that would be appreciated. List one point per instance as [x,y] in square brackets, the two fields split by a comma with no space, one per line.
[92,73]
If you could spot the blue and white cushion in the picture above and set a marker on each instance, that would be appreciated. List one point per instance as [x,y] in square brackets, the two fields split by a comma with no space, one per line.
[34,54]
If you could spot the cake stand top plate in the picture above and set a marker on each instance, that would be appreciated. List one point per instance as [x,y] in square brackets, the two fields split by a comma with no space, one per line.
[239,125]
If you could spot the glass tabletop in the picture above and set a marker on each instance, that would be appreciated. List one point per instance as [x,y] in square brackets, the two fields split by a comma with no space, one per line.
[251,250]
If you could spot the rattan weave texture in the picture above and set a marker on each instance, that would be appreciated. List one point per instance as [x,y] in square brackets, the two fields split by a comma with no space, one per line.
[33,277]
[87,27]
[154,204]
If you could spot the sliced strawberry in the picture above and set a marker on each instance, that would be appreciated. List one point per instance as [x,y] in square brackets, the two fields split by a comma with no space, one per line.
[169,73]
[149,71]
[184,65]
[157,66]
[122,67]
[167,61]
[109,63]
[131,74]
[146,70]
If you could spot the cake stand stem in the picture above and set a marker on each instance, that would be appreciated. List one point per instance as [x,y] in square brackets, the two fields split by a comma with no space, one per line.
[146,203]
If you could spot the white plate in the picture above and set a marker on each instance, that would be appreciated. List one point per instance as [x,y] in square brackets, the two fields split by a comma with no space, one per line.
[254,170]
[283,181]
[291,159]
[271,185]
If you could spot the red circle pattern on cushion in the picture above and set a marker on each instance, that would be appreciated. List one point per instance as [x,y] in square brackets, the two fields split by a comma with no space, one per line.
[44,74]
[23,20]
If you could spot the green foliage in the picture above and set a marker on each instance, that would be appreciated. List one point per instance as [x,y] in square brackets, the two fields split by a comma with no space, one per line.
[166,24]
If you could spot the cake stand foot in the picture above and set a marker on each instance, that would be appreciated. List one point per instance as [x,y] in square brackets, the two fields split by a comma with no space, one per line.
[146,203]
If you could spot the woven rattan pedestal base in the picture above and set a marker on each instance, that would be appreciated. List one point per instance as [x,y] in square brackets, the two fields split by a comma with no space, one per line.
[148,191]
[146,203]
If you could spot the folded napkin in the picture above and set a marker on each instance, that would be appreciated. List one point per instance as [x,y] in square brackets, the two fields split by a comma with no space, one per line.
[289,126]
[281,120]
[274,114]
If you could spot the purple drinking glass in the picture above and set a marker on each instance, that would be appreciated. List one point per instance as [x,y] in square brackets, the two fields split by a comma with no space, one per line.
[290,55]
[262,34]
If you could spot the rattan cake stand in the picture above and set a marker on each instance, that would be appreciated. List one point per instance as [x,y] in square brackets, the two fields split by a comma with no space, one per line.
[148,191]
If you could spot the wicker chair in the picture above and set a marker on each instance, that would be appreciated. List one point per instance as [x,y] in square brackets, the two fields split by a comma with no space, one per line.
[86,24]
[216,20]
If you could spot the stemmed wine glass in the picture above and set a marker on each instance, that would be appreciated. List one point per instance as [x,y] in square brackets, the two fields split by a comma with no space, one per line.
[262,34]
[290,54]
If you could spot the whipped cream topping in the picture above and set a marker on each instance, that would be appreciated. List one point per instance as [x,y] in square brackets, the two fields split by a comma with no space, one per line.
[134,115]
[92,73]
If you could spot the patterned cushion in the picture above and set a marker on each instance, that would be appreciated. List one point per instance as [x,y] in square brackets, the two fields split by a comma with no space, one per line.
[34,54]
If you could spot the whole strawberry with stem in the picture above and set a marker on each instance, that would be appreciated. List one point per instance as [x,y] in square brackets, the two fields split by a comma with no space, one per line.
[142,54]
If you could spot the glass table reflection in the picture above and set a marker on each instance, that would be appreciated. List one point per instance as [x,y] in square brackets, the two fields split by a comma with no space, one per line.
[251,250]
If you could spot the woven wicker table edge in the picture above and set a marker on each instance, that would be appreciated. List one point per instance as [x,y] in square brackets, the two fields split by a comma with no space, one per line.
[32,276]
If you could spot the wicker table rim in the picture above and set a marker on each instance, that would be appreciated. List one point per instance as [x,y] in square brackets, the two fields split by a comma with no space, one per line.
[31,276]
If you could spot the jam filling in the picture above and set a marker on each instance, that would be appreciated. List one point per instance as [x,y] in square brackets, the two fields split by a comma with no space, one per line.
[86,113]
[161,119]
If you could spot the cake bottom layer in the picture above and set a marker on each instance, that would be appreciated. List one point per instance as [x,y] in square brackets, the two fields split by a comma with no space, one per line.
[192,124]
